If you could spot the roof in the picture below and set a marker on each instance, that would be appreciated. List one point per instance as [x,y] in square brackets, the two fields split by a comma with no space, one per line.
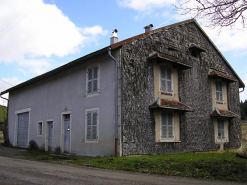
[170,104]
[119,44]
[55,71]
[166,57]
[223,113]
[217,74]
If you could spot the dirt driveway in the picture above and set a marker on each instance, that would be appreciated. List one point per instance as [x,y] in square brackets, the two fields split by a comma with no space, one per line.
[16,170]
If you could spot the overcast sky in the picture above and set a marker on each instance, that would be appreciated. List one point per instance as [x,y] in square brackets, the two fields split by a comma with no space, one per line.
[38,36]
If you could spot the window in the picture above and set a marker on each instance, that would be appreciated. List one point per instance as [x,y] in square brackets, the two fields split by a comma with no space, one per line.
[167,126]
[93,80]
[221,130]
[166,80]
[219,92]
[39,130]
[92,120]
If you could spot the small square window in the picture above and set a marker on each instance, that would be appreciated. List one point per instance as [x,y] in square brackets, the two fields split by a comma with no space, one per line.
[39,130]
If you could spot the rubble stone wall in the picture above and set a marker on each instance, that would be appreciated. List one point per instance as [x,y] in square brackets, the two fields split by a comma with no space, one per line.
[196,128]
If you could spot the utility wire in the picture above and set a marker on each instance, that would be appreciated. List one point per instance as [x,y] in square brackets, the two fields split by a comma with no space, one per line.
[6,82]
[12,18]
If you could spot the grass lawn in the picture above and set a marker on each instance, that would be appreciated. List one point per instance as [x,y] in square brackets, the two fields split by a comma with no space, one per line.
[215,166]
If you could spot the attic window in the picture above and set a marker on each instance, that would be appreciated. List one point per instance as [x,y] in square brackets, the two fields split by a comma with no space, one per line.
[195,51]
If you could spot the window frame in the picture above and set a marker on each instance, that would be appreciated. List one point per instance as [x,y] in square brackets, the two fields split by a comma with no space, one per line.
[161,125]
[39,134]
[93,93]
[92,110]
[165,92]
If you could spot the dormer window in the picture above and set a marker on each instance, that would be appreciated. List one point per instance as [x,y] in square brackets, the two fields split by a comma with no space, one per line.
[195,51]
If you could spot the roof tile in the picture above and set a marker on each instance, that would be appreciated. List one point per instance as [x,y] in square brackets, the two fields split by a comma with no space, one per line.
[223,113]
[170,104]
[168,58]
[218,74]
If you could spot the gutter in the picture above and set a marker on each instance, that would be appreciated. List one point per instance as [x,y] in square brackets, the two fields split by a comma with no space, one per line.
[116,99]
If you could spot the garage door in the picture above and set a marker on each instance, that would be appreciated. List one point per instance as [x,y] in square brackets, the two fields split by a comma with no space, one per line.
[22,132]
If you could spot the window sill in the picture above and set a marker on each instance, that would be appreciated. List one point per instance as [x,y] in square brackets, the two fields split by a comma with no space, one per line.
[91,141]
[164,93]
[39,135]
[92,94]
[168,141]
[219,102]
[219,142]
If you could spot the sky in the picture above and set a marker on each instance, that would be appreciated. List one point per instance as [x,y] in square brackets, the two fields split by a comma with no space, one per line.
[37,36]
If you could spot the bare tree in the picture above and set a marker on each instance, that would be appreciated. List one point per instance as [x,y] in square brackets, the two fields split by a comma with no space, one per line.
[217,13]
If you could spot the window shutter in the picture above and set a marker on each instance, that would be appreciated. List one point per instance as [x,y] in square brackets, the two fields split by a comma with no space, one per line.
[89,87]
[170,126]
[89,126]
[167,126]
[95,72]
[95,86]
[219,93]
[163,126]
[90,74]
[169,80]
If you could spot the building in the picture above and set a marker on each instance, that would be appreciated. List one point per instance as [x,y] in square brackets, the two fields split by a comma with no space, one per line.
[175,93]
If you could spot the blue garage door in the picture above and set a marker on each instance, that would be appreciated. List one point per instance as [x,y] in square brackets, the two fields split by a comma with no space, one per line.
[22,132]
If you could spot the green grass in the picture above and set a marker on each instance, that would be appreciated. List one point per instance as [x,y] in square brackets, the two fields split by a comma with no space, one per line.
[215,166]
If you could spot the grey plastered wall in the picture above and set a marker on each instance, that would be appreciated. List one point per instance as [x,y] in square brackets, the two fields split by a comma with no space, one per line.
[49,97]
[196,128]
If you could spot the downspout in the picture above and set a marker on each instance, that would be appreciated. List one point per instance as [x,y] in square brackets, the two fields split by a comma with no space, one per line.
[116,99]
[6,136]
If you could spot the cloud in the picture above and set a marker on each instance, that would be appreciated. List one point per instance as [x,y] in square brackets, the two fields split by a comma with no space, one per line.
[93,33]
[31,32]
[35,29]
[37,66]
[144,6]
[229,40]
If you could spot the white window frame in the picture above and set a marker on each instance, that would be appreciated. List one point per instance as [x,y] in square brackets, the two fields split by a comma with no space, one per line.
[220,92]
[38,128]
[160,80]
[97,134]
[98,80]
[161,125]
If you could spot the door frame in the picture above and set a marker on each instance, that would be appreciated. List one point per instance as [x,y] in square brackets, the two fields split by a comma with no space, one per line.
[47,134]
[62,131]
[16,124]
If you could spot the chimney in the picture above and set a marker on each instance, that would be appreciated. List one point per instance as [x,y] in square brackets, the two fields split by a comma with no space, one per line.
[114,37]
[148,28]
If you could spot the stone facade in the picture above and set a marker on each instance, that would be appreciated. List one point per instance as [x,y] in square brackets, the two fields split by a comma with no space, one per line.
[196,128]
